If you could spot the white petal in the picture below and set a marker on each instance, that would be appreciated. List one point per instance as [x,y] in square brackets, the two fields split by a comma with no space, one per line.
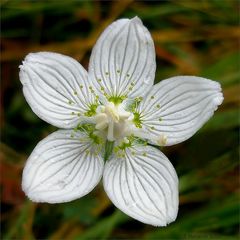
[144,185]
[176,108]
[62,168]
[123,59]
[56,87]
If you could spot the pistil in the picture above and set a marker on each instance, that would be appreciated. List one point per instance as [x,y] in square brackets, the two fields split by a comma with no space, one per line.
[113,120]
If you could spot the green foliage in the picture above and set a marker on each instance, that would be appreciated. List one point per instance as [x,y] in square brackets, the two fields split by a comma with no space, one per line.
[191,38]
[83,207]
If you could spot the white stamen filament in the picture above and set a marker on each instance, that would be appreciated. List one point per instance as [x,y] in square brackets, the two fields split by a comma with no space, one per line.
[113,120]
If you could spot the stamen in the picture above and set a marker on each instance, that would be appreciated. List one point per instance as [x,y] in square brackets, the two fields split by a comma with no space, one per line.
[113,120]
[162,140]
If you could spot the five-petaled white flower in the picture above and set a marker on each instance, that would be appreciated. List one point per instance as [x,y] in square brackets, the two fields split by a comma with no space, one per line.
[108,117]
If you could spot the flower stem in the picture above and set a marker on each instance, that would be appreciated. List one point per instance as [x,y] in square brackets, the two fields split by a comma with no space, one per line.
[108,149]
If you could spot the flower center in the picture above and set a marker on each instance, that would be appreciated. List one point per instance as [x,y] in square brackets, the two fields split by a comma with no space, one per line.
[114,121]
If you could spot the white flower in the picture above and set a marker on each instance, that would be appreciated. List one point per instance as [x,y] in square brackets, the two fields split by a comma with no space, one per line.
[111,113]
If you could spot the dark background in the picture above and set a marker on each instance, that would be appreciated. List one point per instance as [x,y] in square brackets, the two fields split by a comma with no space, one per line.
[191,38]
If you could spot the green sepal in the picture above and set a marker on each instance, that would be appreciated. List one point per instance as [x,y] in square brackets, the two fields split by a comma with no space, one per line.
[108,149]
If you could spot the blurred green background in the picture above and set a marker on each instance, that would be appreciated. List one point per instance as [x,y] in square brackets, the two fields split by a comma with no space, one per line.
[191,38]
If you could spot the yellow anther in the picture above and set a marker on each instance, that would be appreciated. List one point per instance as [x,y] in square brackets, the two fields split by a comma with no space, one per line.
[162,140]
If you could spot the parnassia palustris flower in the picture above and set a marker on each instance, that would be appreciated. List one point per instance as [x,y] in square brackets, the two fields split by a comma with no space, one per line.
[108,116]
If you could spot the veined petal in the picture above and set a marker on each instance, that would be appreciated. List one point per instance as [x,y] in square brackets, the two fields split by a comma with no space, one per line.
[176,108]
[56,88]
[62,168]
[143,184]
[123,60]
